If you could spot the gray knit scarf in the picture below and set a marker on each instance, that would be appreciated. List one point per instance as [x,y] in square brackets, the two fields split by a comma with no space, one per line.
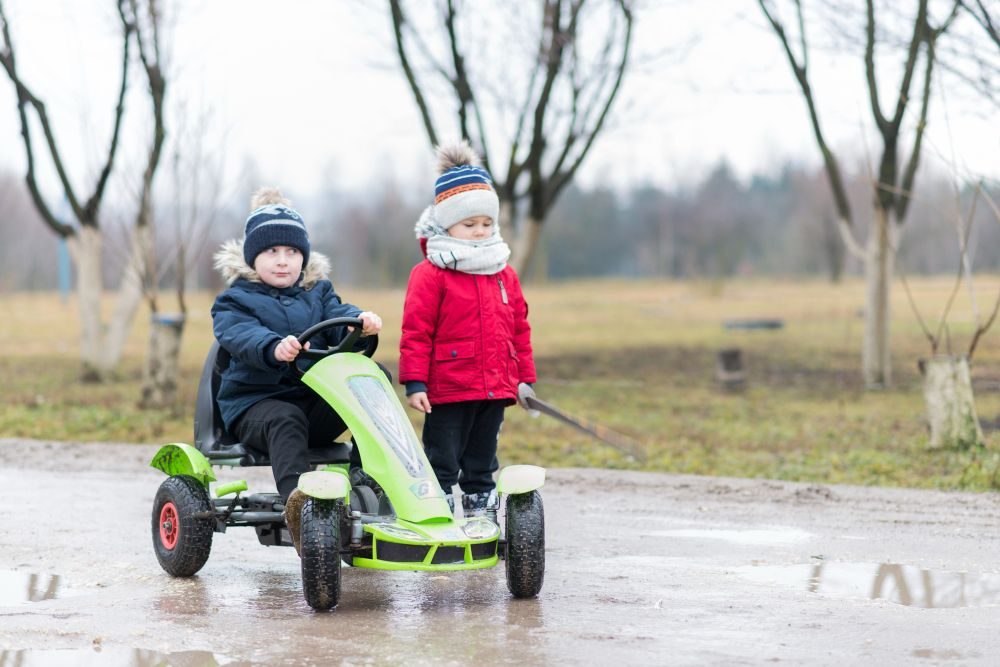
[444,251]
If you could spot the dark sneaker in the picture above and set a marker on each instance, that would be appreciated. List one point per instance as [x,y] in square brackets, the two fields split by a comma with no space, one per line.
[450,499]
[293,518]
[476,504]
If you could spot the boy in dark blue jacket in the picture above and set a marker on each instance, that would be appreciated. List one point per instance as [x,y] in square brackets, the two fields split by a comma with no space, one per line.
[277,289]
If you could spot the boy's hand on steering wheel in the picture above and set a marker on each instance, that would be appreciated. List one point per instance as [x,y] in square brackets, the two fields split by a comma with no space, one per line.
[372,323]
[418,401]
[288,349]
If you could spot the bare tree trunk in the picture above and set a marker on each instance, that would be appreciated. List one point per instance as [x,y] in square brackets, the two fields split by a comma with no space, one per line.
[85,247]
[951,407]
[834,249]
[876,360]
[159,388]
[130,293]
[526,245]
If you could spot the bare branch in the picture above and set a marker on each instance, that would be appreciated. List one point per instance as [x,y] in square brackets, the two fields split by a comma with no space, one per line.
[513,167]
[463,89]
[920,30]
[460,82]
[981,329]
[552,51]
[24,97]
[880,119]
[910,172]
[94,202]
[916,311]
[983,18]
[604,83]
[398,20]
[833,172]
[562,179]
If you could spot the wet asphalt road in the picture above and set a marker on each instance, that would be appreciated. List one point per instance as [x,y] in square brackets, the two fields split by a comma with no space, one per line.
[642,569]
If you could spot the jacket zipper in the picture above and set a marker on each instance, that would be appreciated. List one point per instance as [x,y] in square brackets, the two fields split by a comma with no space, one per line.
[503,290]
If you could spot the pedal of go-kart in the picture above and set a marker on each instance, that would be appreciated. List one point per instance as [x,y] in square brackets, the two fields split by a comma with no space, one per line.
[337,452]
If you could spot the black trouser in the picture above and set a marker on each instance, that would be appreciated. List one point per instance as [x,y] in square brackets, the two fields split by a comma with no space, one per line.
[285,429]
[462,438]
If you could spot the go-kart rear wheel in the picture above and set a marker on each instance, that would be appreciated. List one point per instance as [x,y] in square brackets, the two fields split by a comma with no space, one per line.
[182,527]
[321,552]
[525,544]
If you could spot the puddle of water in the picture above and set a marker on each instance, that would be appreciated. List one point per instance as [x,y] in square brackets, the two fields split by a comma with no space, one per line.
[775,536]
[901,584]
[23,587]
[105,657]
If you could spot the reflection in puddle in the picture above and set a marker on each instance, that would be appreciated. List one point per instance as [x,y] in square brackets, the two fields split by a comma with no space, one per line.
[901,584]
[21,587]
[750,537]
[119,657]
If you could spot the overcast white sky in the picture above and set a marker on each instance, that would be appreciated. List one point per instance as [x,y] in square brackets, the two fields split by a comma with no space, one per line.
[309,92]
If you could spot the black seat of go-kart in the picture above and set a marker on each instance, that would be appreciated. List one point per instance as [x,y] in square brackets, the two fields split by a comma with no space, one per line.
[213,440]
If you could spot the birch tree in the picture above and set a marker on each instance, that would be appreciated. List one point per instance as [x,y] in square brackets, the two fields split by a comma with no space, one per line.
[101,342]
[895,175]
[545,119]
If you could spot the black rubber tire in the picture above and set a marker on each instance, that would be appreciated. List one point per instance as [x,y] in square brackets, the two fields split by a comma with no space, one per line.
[193,536]
[321,552]
[525,558]
[368,501]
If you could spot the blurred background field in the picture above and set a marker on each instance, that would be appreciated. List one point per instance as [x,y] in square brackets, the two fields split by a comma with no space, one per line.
[636,356]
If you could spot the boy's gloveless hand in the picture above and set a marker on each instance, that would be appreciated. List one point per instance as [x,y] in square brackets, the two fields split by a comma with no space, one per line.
[418,401]
[372,323]
[288,349]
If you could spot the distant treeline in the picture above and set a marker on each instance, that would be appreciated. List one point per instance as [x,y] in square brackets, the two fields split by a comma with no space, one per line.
[774,225]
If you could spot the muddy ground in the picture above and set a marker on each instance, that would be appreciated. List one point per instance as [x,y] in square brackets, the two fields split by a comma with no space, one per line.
[642,569]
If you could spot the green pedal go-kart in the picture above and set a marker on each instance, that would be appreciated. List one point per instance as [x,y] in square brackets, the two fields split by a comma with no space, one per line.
[394,518]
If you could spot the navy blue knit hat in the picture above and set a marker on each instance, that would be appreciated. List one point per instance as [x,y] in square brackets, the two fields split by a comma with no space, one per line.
[272,224]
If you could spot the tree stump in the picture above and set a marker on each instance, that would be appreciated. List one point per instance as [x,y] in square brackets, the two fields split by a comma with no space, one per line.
[159,388]
[951,407]
[729,369]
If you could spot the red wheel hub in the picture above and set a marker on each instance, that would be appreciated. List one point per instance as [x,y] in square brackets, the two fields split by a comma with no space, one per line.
[169,526]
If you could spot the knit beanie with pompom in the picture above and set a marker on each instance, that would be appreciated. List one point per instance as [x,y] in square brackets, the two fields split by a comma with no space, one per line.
[464,189]
[273,222]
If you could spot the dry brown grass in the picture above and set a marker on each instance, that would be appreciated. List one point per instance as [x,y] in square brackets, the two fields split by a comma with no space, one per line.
[638,356]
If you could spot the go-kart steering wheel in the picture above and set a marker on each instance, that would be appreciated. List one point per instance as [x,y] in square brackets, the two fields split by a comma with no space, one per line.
[346,345]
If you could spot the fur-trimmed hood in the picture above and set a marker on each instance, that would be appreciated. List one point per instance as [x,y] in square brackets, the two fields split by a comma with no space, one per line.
[230,263]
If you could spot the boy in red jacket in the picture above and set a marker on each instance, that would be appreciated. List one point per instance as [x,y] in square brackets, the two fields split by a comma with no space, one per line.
[465,351]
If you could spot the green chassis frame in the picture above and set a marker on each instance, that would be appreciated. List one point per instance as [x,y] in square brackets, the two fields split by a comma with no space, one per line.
[360,392]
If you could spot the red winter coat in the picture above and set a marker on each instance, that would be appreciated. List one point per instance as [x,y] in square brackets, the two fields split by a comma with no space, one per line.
[465,336]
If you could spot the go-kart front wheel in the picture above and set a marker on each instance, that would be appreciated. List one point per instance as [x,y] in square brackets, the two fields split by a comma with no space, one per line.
[525,544]
[182,525]
[320,547]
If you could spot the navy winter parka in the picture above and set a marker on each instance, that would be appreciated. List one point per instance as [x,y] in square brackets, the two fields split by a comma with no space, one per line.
[250,318]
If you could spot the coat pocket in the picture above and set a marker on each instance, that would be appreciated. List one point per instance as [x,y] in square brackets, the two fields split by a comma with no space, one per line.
[455,367]
[455,350]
